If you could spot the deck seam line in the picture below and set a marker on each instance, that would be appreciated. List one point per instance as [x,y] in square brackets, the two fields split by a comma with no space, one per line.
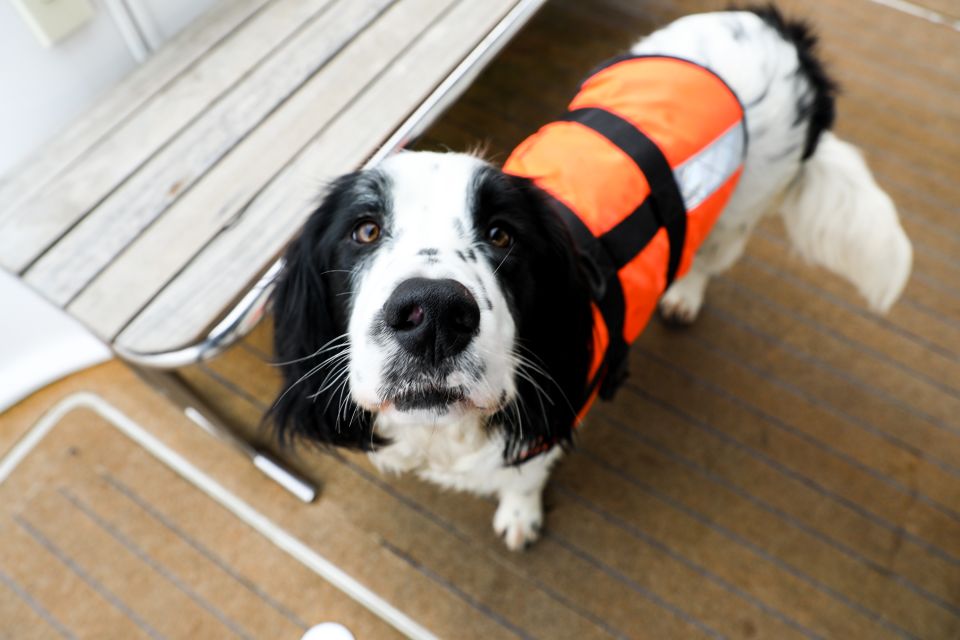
[814,324]
[742,542]
[766,418]
[785,516]
[81,573]
[814,399]
[162,571]
[289,165]
[451,528]
[38,608]
[450,587]
[696,567]
[113,188]
[138,500]
[856,423]
[280,537]
[840,302]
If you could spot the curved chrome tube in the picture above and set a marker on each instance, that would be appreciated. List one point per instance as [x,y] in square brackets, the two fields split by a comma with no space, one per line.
[253,306]
[236,324]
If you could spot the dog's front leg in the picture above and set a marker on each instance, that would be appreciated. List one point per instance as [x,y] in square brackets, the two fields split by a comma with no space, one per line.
[519,515]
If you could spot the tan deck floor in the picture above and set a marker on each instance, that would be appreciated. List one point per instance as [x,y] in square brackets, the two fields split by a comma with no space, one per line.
[788,467]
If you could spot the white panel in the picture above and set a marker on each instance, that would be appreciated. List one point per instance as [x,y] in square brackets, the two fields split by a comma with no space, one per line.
[39,343]
[54,20]
[44,89]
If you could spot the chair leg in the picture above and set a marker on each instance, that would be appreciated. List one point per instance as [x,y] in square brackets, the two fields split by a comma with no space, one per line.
[194,408]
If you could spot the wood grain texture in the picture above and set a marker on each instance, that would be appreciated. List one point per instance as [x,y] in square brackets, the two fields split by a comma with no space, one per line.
[787,467]
[38,222]
[96,240]
[223,197]
[103,555]
[117,105]
[269,218]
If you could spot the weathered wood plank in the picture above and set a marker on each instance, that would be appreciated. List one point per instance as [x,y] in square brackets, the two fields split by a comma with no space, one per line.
[222,197]
[39,222]
[97,239]
[274,215]
[118,104]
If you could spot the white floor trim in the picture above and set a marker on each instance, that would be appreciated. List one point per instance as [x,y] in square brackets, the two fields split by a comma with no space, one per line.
[929,15]
[267,528]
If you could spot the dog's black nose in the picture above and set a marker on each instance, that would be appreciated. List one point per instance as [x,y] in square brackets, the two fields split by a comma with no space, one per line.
[432,319]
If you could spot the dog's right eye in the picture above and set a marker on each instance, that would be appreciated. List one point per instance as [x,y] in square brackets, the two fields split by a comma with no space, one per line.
[499,237]
[367,232]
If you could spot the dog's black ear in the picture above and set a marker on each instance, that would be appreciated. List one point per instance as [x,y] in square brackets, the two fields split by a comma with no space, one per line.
[551,304]
[309,304]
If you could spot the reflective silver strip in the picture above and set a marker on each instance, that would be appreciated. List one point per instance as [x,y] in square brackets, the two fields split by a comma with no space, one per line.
[710,169]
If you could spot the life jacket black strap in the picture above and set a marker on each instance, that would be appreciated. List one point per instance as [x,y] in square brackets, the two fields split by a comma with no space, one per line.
[608,294]
[666,202]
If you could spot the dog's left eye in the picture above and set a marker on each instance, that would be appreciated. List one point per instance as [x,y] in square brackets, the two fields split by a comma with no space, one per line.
[499,237]
[367,232]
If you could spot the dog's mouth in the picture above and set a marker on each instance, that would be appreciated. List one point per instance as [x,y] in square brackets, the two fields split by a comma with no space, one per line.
[426,398]
[409,388]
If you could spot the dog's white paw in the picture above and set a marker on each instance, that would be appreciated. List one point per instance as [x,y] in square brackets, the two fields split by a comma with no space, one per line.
[518,519]
[681,303]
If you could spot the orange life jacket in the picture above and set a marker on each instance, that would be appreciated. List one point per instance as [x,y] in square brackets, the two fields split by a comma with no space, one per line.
[639,168]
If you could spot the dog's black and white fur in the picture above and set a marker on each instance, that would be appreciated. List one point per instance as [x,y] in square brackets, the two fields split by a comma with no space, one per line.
[432,311]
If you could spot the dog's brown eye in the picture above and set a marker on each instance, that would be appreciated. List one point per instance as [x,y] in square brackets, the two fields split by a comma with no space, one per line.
[367,232]
[499,237]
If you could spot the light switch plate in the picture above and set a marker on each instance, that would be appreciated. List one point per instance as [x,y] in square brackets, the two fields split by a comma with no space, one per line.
[53,20]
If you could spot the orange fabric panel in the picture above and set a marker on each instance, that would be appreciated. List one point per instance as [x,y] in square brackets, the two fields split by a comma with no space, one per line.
[644,92]
[601,338]
[643,279]
[577,179]
[683,109]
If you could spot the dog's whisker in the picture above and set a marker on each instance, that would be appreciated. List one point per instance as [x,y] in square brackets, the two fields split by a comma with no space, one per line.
[345,371]
[311,372]
[509,251]
[335,369]
[539,389]
[301,379]
[326,347]
[546,375]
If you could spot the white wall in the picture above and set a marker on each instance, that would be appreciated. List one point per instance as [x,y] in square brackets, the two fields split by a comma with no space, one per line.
[42,90]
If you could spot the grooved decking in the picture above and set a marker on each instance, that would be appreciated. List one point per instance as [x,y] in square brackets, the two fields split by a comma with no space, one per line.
[787,467]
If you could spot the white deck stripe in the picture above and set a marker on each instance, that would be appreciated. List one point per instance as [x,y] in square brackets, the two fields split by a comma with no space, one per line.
[920,12]
[288,543]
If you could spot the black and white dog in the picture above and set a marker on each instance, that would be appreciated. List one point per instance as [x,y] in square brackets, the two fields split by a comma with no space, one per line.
[433,312]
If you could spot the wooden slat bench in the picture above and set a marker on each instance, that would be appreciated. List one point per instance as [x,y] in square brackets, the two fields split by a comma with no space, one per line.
[159,218]
[155,214]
